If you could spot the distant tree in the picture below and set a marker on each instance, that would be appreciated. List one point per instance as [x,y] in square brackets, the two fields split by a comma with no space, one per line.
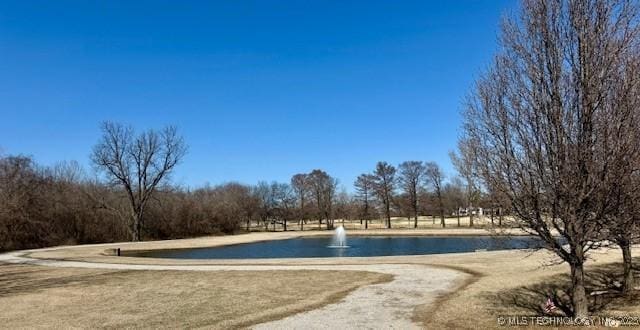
[323,187]
[70,208]
[229,205]
[262,193]
[284,200]
[343,205]
[21,206]
[384,187]
[497,202]
[365,185]
[401,204]
[301,187]
[138,164]
[463,161]
[453,195]
[249,203]
[410,178]
[435,177]
[237,200]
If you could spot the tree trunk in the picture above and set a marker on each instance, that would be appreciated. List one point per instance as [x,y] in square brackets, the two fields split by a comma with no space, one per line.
[627,282]
[388,215]
[366,224]
[442,219]
[470,218]
[137,226]
[285,224]
[415,213]
[491,217]
[579,295]
[458,213]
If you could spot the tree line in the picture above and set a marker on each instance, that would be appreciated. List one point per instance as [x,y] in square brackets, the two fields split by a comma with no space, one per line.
[44,206]
[553,127]
[129,196]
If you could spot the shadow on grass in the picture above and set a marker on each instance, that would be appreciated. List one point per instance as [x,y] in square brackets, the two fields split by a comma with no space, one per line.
[602,285]
[19,279]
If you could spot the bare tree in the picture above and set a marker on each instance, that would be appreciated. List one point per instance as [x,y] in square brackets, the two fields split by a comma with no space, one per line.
[138,164]
[497,202]
[262,193]
[343,203]
[21,207]
[68,194]
[300,185]
[323,187]
[454,196]
[622,226]
[284,199]
[384,187]
[435,177]
[364,190]
[410,178]
[463,161]
[547,123]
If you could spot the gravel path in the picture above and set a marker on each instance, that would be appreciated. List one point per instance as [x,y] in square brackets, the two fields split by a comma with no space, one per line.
[379,306]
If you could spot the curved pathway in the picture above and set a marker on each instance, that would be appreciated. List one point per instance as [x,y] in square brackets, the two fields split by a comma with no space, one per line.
[387,305]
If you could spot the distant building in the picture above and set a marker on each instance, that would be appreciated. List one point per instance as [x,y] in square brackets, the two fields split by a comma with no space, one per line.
[465,211]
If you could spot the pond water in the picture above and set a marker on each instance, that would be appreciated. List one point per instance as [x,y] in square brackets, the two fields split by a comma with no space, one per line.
[359,246]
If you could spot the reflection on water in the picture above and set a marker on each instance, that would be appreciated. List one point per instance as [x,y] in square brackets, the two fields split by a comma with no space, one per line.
[359,246]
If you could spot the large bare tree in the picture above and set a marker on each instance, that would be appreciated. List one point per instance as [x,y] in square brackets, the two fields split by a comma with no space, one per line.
[410,178]
[547,123]
[384,187]
[435,177]
[138,164]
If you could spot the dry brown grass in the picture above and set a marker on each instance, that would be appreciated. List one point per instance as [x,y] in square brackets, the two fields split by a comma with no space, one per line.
[518,283]
[48,297]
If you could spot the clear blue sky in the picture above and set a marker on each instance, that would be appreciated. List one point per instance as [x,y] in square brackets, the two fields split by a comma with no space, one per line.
[261,90]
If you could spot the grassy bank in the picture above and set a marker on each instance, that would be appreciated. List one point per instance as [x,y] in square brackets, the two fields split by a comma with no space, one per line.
[50,297]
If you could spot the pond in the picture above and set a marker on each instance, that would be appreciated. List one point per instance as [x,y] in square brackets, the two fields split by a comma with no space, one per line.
[359,246]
